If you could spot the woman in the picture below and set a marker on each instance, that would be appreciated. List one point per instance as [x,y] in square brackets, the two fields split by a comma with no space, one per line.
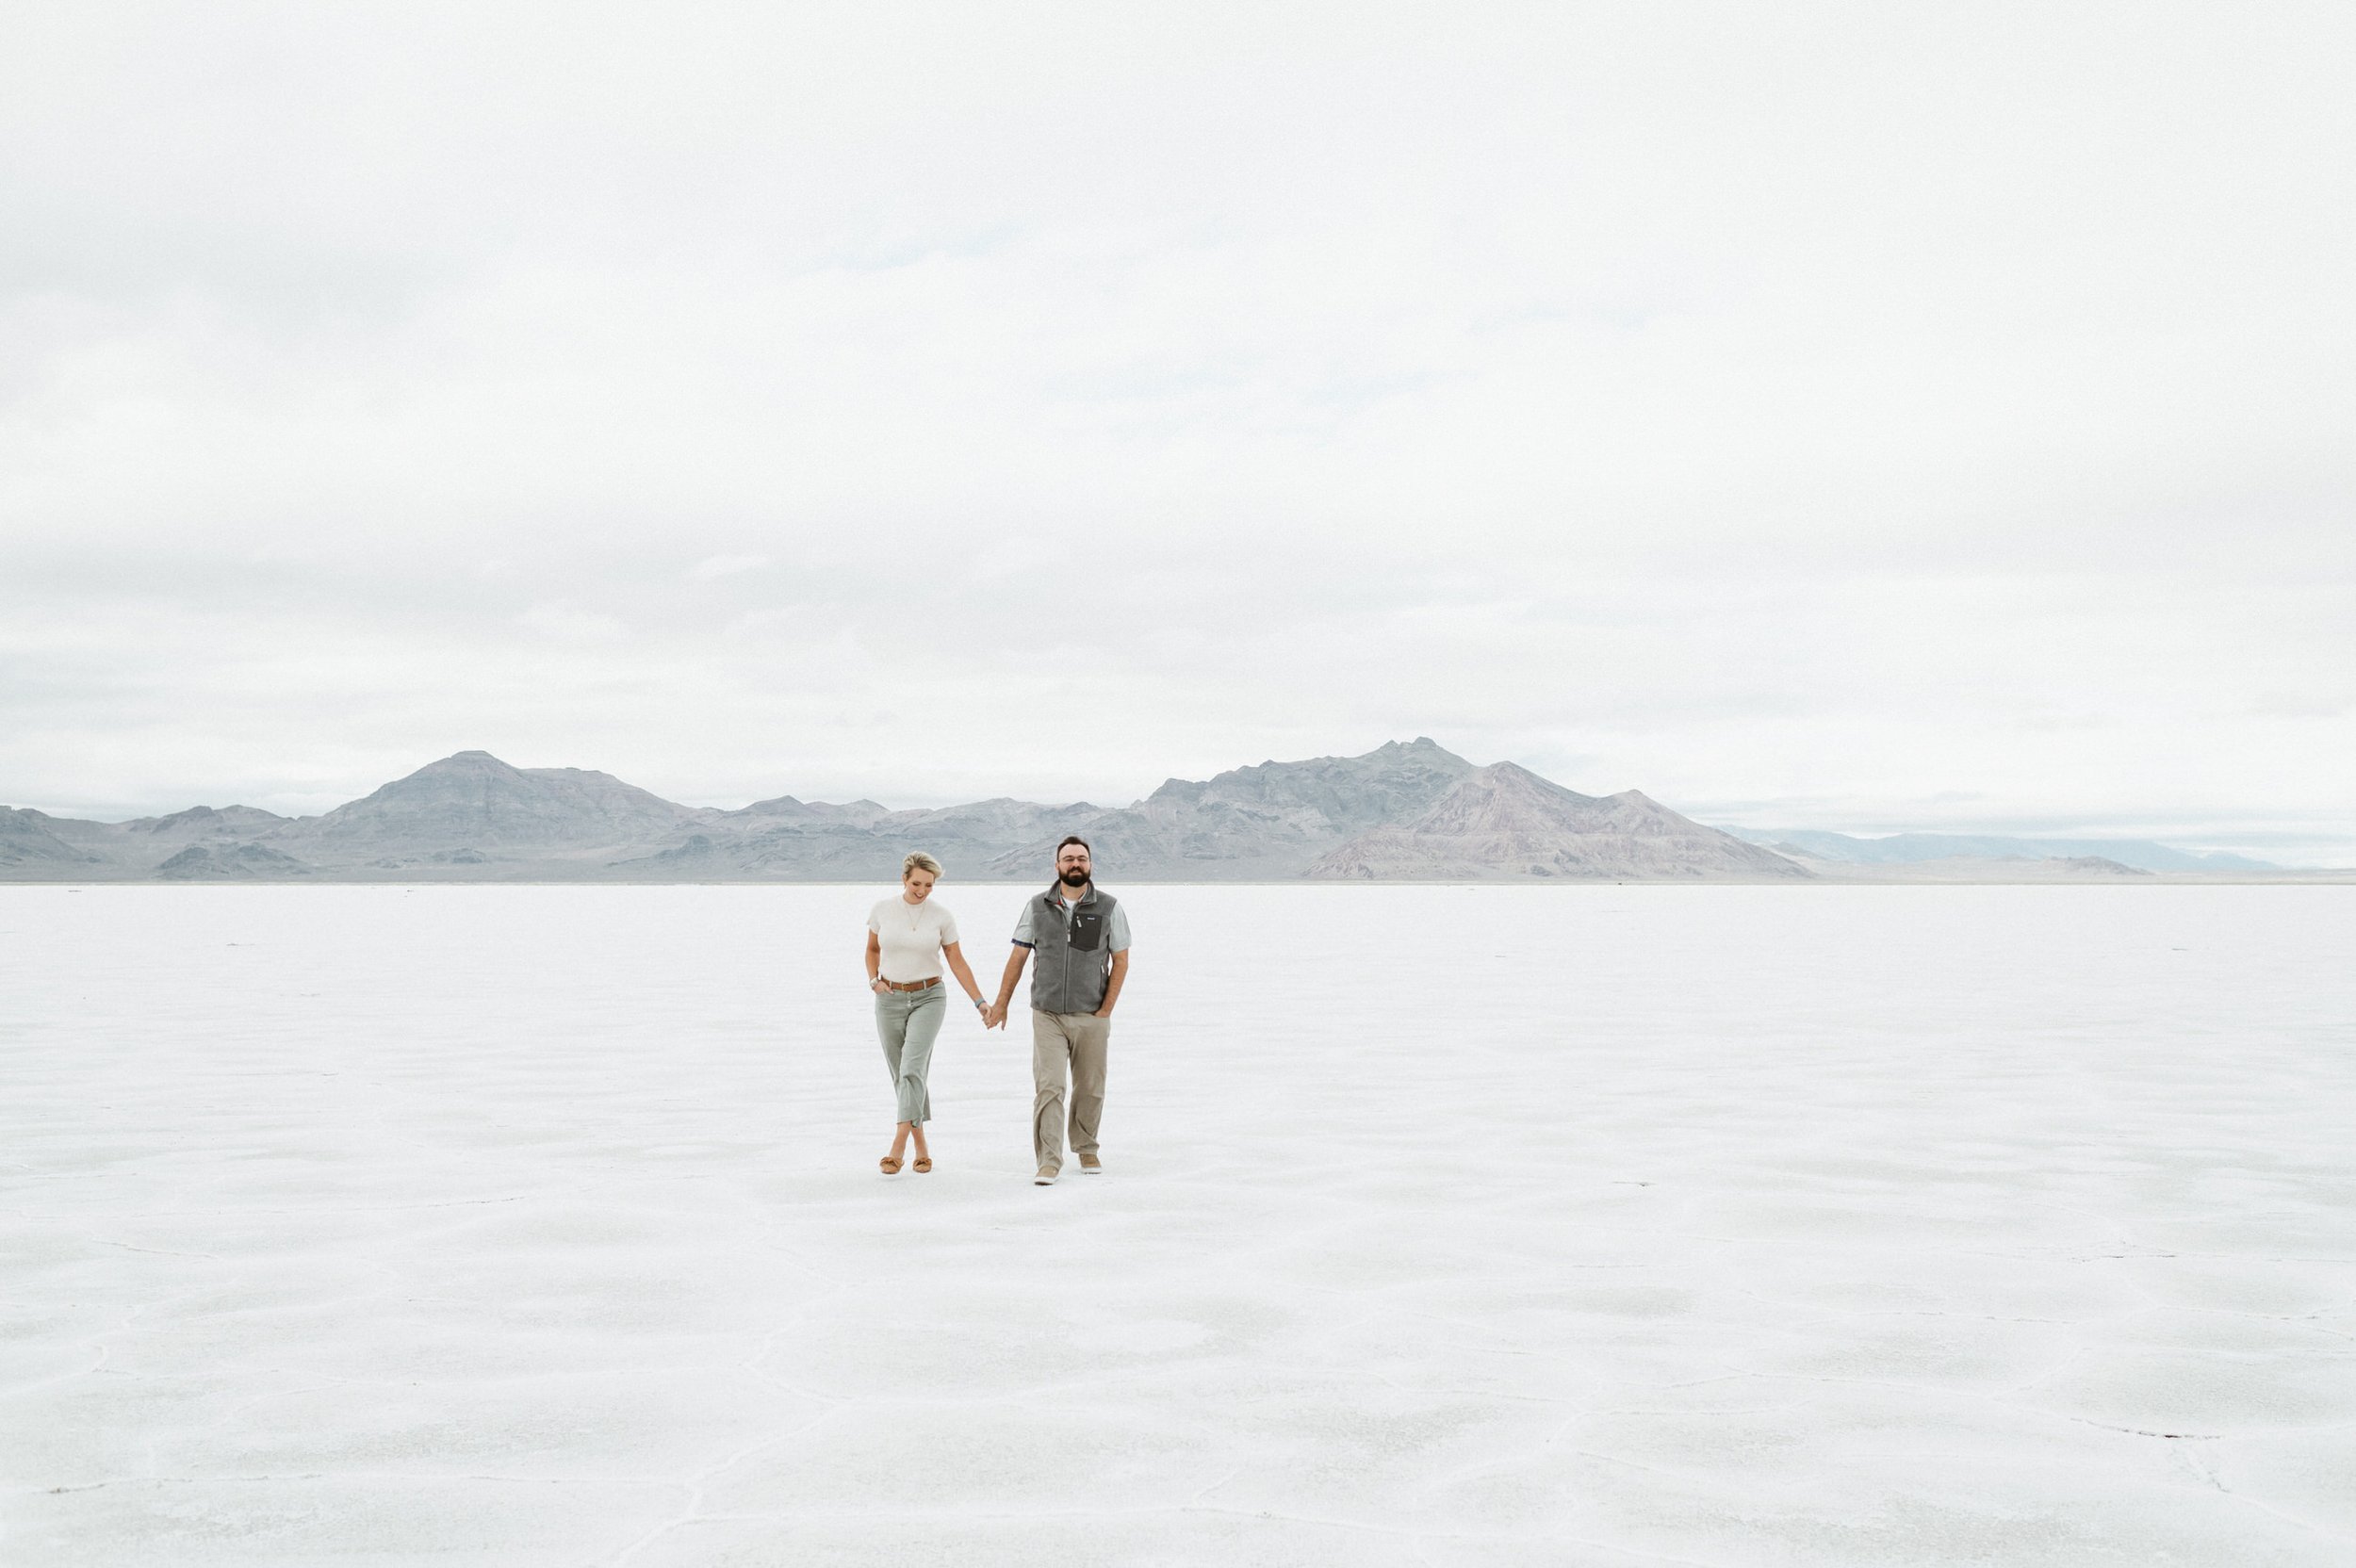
[907,937]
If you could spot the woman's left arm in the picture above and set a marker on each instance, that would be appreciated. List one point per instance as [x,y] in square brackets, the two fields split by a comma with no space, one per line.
[965,976]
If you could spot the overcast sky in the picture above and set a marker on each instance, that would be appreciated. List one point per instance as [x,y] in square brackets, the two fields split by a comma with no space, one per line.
[1861,417]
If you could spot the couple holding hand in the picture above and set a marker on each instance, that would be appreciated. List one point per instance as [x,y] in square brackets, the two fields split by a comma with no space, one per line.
[1080,937]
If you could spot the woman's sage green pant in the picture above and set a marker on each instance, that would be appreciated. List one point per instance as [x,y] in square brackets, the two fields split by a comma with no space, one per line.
[906,1022]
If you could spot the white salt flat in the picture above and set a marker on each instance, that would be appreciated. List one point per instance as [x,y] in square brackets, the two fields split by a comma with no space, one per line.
[534,1226]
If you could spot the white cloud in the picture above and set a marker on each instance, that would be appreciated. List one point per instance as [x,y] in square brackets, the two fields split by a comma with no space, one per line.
[569,623]
[726,565]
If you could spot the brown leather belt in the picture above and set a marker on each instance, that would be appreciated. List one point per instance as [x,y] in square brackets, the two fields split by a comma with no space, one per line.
[913,984]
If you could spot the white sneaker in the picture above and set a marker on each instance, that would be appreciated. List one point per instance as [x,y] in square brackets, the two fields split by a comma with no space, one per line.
[1046,1177]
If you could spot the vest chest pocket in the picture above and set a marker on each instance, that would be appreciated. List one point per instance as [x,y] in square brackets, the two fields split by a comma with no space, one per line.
[1087,931]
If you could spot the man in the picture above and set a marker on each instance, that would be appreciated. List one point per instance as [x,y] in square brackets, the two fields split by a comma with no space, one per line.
[1081,938]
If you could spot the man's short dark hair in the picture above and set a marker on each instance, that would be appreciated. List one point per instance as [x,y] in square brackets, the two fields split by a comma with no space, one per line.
[1070,838]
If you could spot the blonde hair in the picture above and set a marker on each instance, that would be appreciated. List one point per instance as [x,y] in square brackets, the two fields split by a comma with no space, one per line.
[919,860]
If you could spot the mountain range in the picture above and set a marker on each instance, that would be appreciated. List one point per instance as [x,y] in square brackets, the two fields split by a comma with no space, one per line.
[1405,811]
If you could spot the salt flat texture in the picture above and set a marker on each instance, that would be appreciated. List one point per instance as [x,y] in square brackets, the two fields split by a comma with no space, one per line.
[1589,1225]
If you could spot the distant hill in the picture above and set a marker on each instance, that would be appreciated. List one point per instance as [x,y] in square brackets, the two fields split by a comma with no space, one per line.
[231,863]
[1904,848]
[473,801]
[794,840]
[198,822]
[1406,810]
[29,842]
[1276,819]
[1505,821]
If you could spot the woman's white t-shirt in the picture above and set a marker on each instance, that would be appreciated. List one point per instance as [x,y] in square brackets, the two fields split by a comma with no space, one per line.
[911,936]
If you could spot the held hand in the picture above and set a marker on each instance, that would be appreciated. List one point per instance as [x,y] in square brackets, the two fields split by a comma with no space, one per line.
[877,985]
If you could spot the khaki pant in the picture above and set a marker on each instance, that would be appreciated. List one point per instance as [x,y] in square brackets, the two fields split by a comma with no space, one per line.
[1059,1041]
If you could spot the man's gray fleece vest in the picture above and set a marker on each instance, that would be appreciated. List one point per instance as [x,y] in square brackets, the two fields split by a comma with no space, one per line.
[1071,963]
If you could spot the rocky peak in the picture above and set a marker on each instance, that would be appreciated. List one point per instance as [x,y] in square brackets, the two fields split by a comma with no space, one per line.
[1349,791]
[1505,821]
[26,838]
[473,798]
[201,820]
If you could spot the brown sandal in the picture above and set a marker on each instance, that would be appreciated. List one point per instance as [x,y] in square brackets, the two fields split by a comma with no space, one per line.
[923,1164]
[891,1164]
